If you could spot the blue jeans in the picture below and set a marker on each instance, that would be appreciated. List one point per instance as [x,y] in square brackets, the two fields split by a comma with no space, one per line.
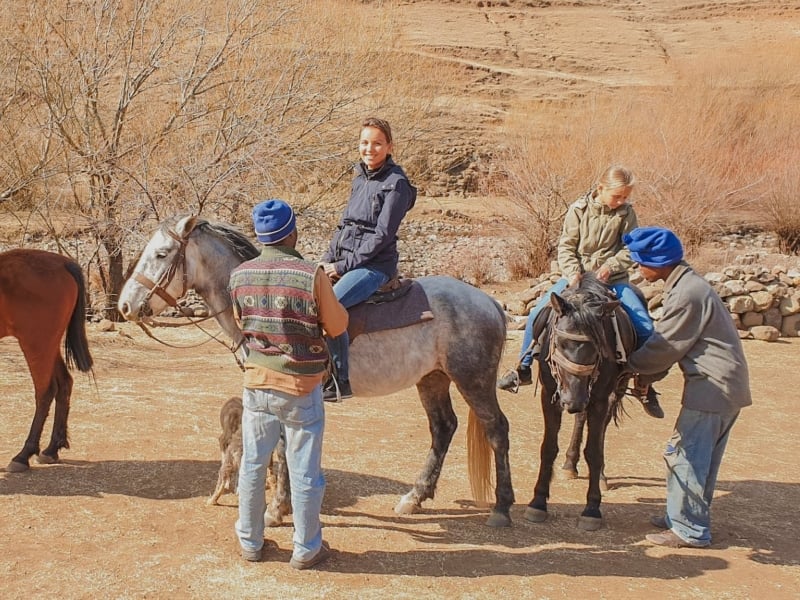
[303,421]
[353,288]
[693,456]
[640,318]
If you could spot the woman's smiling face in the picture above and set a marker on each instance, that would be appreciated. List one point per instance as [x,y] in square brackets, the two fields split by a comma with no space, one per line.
[373,147]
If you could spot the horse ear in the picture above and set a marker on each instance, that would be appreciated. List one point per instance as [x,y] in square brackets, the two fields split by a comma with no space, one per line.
[558,303]
[186,225]
[610,307]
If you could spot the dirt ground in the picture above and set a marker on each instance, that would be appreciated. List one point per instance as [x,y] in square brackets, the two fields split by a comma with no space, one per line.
[124,514]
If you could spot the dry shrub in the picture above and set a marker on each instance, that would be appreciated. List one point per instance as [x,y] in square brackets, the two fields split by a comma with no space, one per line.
[707,151]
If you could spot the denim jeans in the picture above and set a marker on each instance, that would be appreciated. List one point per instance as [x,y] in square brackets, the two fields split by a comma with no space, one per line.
[526,359]
[693,457]
[353,288]
[640,318]
[302,418]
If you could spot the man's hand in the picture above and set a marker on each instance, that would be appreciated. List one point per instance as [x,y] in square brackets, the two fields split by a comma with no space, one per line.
[603,273]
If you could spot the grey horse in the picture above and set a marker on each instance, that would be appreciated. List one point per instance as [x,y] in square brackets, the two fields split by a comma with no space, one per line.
[462,344]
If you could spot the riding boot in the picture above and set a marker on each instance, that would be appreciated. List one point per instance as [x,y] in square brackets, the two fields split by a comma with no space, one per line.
[514,378]
[645,394]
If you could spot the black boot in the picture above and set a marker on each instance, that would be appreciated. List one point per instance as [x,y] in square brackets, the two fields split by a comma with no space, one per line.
[511,381]
[649,399]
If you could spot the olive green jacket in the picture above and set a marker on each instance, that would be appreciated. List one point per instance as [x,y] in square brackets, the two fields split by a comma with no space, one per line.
[592,237]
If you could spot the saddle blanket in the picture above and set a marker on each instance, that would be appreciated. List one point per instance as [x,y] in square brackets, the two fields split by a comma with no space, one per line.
[407,308]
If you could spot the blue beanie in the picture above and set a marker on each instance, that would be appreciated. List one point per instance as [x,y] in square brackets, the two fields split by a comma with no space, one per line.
[273,221]
[654,246]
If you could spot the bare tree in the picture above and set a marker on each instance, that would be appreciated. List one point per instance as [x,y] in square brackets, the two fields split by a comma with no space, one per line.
[144,108]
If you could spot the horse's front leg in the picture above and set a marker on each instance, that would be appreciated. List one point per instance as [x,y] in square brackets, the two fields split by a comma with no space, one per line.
[434,392]
[591,518]
[570,466]
[537,508]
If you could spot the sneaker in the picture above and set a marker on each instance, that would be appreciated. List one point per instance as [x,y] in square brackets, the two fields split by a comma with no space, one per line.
[513,379]
[671,540]
[322,554]
[331,394]
[659,521]
[251,555]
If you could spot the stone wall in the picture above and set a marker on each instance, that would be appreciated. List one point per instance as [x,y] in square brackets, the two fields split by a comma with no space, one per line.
[764,302]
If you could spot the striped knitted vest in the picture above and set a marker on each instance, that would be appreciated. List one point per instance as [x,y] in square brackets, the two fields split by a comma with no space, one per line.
[274,294]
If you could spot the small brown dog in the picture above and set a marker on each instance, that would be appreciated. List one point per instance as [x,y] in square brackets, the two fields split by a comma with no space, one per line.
[230,446]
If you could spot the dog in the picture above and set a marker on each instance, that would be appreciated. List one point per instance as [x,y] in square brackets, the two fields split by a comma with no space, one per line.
[230,446]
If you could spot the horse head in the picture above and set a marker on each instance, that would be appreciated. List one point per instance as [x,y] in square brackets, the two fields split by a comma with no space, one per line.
[162,275]
[580,347]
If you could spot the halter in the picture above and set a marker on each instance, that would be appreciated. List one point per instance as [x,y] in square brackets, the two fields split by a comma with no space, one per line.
[159,288]
[556,359]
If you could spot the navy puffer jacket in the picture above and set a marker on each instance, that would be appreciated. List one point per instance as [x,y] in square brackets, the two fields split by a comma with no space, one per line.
[367,232]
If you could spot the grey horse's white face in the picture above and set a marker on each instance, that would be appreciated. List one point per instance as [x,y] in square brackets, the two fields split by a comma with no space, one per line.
[161,265]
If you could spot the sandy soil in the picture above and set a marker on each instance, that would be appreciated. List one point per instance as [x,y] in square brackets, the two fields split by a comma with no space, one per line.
[124,515]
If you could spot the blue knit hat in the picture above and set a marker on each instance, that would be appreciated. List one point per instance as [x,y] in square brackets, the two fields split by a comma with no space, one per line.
[654,246]
[273,221]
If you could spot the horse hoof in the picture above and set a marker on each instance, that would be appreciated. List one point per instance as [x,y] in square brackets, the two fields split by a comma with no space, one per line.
[535,515]
[498,519]
[44,459]
[406,507]
[569,473]
[589,523]
[16,467]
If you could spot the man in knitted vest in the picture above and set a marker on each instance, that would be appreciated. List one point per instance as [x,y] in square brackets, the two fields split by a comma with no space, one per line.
[283,304]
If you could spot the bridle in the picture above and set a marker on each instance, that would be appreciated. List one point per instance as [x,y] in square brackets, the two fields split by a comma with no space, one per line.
[558,361]
[159,288]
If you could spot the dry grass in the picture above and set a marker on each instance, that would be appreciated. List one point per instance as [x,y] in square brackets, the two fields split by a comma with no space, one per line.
[719,146]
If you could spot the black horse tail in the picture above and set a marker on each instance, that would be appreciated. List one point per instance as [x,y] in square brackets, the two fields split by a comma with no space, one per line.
[76,346]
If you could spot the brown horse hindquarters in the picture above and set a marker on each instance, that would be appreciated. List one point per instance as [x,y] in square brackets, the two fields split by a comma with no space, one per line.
[40,295]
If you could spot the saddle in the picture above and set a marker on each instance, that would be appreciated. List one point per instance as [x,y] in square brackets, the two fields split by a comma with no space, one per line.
[399,303]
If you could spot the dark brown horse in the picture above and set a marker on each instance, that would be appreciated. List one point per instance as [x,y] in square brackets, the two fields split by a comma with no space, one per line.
[581,369]
[42,295]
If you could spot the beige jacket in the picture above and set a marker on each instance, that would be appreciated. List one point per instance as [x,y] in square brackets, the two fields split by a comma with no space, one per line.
[592,237]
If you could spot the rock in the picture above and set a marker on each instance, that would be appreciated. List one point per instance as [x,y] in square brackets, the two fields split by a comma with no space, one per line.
[790,326]
[790,305]
[762,300]
[765,333]
[739,304]
[106,325]
[752,319]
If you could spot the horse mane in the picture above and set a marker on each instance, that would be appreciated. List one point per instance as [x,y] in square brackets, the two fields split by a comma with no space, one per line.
[586,303]
[230,235]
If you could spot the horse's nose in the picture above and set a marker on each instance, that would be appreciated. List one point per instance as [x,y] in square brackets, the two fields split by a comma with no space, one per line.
[125,310]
